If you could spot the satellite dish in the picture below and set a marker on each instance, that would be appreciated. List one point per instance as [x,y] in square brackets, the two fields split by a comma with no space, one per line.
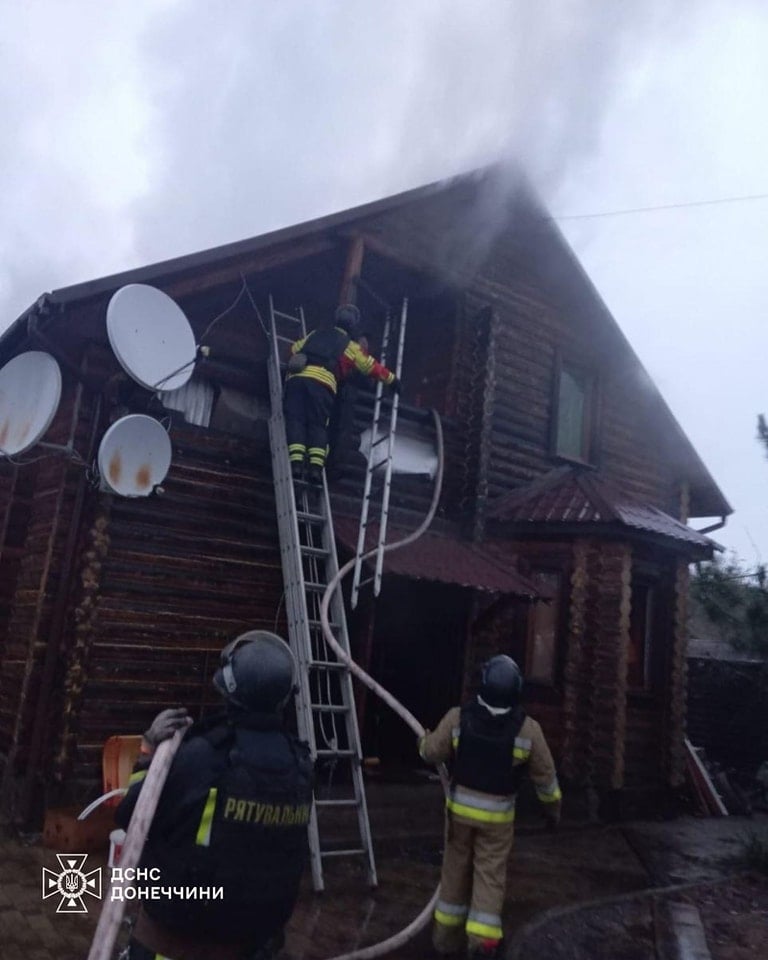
[134,456]
[151,337]
[30,390]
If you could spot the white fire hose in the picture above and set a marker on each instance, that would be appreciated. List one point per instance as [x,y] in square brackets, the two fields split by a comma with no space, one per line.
[146,804]
[417,924]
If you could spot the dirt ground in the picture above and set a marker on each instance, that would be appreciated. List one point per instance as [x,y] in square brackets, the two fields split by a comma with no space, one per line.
[707,853]
[548,872]
[734,914]
[735,918]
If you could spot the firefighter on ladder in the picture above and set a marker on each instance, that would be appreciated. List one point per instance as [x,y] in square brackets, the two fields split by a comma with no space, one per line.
[490,743]
[318,362]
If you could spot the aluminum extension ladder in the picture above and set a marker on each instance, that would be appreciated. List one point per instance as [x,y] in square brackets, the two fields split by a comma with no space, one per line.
[375,463]
[325,705]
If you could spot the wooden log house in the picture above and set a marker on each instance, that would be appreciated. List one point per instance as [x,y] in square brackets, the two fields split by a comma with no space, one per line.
[566,476]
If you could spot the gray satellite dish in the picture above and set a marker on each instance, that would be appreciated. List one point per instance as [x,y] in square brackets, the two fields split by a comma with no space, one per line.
[134,456]
[151,337]
[30,390]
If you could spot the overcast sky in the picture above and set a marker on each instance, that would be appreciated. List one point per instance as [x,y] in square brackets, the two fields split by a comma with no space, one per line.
[135,131]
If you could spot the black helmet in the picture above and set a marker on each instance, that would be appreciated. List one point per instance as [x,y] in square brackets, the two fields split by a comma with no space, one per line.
[501,683]
[347,317]
[257,672]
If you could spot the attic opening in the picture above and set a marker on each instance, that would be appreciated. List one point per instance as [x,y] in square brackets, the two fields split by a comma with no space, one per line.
[314,284]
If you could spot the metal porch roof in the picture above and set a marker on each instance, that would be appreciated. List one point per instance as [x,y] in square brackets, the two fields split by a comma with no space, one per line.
[570,496]
[443,559]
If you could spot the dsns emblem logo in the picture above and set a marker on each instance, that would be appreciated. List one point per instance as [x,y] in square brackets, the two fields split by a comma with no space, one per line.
[71,883]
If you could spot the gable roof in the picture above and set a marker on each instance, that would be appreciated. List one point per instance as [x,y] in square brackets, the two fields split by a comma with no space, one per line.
[569,496]
[154,272]
[481,187]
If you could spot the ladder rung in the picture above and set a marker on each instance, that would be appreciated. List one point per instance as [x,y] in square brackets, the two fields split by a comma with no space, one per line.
[364,583]
[353,802]
[314,551]
[310,517]
[307,546]
[349,852]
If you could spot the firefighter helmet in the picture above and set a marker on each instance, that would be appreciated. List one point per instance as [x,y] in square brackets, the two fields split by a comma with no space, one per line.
[347,317]
[257,672]
[501,683]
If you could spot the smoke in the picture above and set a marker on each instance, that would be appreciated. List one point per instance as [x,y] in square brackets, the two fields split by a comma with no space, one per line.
[71,160]
[276,113]
[154,129]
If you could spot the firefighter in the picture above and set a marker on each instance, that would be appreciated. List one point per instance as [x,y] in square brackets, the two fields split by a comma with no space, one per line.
[329,355]
[490,743]
[341,423]
[233,814]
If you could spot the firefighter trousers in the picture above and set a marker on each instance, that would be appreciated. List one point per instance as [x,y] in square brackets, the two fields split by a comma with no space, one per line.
[472,884]
[307,406]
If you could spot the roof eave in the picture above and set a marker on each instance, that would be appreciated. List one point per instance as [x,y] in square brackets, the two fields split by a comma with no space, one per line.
[609,531]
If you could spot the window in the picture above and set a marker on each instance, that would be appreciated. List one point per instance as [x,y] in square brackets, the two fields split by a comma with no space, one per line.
[640,630]
[544,628]
[574,412]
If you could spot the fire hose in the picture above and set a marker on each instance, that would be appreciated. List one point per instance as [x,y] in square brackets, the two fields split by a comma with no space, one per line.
[112,912]
[111,916]
[419,922]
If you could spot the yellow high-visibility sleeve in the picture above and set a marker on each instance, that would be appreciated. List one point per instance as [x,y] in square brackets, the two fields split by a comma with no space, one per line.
[541,769]
[436,746]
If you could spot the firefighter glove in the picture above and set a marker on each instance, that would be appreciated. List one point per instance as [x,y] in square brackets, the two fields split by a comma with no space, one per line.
[165,724]
[396,385]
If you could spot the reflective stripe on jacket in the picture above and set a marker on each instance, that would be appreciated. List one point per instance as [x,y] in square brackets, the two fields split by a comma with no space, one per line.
[353,357]
[439,746]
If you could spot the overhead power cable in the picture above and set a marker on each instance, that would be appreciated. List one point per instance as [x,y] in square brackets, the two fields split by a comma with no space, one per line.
[656,207]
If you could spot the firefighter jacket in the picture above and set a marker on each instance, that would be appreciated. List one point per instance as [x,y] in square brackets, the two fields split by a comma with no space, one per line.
[488,756]
[233,813]
[332,356]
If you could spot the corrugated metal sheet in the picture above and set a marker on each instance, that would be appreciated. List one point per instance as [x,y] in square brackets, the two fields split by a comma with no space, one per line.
[652,520]
[566,496]
[444,559]
[194,400]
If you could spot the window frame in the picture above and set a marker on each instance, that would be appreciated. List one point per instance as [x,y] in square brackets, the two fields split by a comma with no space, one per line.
[590,419]
[552,688]
[647,589]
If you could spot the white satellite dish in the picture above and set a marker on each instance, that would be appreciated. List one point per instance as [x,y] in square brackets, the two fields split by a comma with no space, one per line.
[134,456]
[151,337]
[30,390]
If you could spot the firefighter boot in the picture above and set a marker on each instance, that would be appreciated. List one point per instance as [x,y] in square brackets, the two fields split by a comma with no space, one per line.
[486,950]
